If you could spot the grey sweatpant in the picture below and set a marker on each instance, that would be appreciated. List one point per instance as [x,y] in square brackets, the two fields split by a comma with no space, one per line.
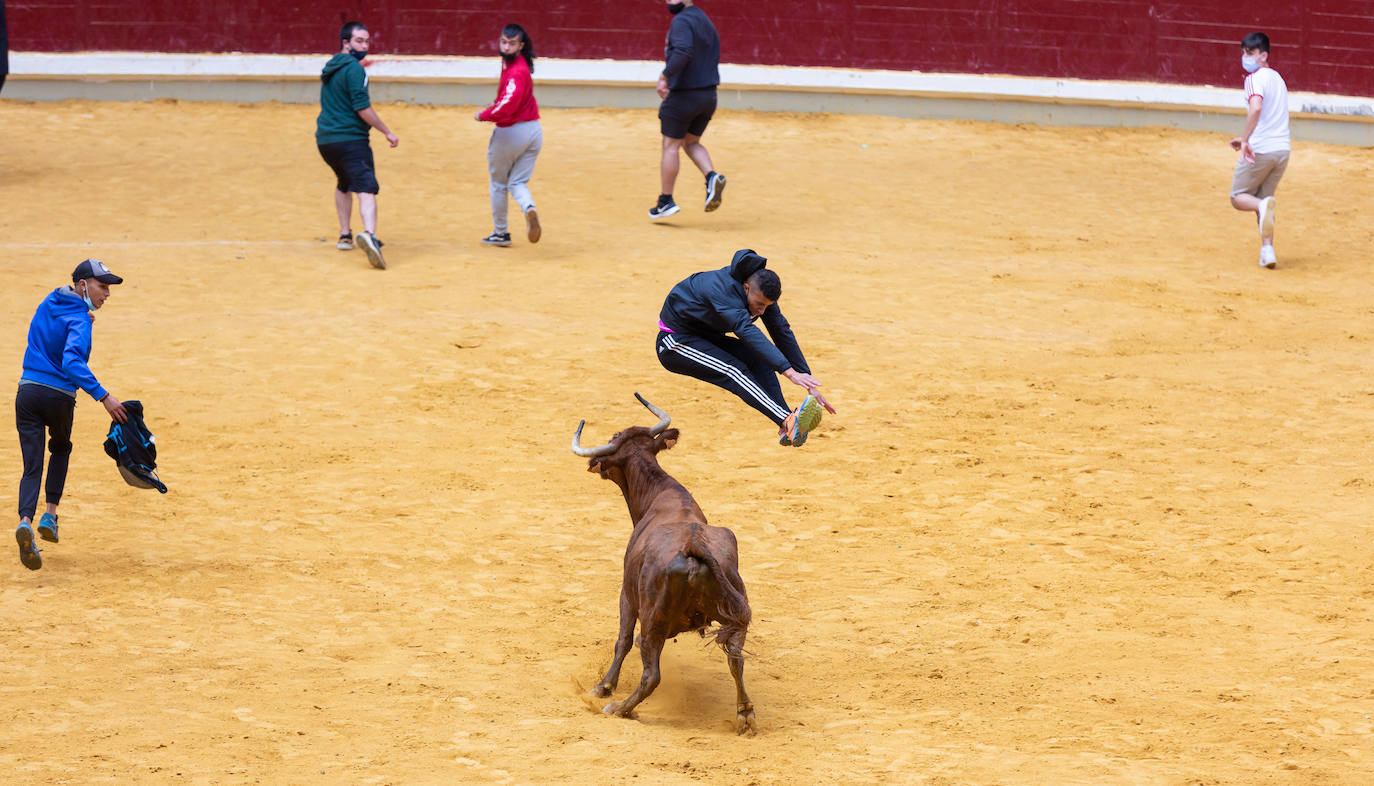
[510,160]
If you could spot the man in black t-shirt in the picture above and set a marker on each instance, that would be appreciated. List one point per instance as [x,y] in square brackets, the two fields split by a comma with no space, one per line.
[688,89]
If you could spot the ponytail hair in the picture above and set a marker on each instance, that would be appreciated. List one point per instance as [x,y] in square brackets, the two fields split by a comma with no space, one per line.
[527,51]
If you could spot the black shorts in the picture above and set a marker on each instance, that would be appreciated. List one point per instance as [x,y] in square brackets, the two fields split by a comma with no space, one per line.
[352,165]
[686,112]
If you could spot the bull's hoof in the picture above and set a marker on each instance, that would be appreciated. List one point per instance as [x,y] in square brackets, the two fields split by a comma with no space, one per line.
[614,708]
[601,691]
[744,722]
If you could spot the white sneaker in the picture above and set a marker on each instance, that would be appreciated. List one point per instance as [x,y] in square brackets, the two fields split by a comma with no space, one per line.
[532,229]
[1266,217]
[1267,258]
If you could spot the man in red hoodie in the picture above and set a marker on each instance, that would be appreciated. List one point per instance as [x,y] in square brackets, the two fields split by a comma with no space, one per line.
[517,138]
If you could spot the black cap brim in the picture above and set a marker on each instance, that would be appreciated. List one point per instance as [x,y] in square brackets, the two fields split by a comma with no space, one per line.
[109,278]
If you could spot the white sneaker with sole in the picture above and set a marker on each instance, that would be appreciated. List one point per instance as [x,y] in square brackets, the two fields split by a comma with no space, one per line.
[1266,217]
[1267,257]
[532,229]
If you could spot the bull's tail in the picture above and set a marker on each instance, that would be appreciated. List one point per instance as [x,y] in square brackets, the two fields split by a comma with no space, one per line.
[733,609]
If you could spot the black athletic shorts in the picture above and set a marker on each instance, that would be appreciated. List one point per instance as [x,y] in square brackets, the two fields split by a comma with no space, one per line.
[686,112]
[352,165]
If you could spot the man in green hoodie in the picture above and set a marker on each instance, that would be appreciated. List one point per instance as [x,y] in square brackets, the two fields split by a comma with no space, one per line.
[346,116]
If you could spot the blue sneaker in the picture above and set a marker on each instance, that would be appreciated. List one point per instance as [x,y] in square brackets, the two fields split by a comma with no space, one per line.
[47,527]
[803,420]
[28,553]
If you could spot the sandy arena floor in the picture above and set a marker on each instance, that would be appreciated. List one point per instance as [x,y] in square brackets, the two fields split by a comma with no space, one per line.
[1095,508]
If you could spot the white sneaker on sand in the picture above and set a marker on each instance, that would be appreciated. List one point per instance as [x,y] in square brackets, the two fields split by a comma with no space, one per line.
[532,229]
[1266,217]
[1267,258]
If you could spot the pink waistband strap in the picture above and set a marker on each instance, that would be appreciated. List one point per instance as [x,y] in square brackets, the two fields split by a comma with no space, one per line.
[664,327]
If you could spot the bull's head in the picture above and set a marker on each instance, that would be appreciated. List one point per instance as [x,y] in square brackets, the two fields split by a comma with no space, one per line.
[610,458]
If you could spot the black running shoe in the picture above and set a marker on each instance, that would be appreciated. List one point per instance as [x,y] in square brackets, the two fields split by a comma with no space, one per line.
[501,239]
[373,247]
[715,190]
[28,553]
[663,209]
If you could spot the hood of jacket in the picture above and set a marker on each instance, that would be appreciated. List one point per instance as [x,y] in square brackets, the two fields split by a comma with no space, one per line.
[335,63]
[745,264]
[64,301]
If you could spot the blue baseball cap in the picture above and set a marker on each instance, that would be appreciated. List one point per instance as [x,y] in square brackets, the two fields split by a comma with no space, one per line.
[94,268]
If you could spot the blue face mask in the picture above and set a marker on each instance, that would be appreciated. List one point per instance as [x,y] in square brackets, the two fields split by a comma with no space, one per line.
[356,54]
[676,8]
[1250,63]
[85,295]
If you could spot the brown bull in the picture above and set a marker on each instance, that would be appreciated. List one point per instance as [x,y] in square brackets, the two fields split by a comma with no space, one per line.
[681,574]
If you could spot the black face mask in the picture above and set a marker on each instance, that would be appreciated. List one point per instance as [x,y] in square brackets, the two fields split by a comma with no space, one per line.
[676,8]
[356,54]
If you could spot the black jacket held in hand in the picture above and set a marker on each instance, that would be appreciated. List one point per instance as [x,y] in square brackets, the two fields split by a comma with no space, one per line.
[134,449]
[712,303]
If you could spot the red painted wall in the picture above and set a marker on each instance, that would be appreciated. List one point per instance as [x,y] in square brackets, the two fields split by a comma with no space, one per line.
[1319,45]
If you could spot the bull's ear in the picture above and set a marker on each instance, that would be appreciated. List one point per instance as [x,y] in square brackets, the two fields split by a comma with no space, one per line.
[594,465]
[665,440]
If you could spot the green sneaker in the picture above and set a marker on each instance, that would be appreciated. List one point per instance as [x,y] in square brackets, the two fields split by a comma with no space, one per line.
[804,419]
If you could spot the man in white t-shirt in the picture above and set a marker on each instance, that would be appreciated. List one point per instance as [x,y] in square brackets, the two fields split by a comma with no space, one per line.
[1265,143]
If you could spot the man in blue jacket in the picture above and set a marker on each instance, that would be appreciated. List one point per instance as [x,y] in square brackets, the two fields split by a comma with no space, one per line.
[687,86]
[692,340]
[55,367]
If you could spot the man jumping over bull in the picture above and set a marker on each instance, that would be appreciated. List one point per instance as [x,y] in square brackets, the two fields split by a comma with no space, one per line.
[692,340]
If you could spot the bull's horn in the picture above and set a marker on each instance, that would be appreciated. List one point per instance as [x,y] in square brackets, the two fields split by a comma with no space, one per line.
[664,420]
[600,450]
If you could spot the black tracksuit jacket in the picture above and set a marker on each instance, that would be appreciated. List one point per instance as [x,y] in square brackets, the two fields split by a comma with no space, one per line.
[712,303]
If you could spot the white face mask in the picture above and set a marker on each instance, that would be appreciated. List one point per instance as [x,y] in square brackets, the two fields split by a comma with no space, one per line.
[1250,63]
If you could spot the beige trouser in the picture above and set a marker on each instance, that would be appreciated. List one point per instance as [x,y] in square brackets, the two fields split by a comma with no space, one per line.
[1261,178]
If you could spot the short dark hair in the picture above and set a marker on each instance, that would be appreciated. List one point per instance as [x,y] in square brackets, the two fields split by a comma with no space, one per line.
[346,32]
[1258,41]
[767,283]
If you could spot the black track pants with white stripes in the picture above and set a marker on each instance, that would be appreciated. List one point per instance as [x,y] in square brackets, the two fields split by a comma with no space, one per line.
[728,363]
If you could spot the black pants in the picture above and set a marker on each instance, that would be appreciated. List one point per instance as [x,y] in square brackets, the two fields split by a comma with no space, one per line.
[728,363]
[36,408]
